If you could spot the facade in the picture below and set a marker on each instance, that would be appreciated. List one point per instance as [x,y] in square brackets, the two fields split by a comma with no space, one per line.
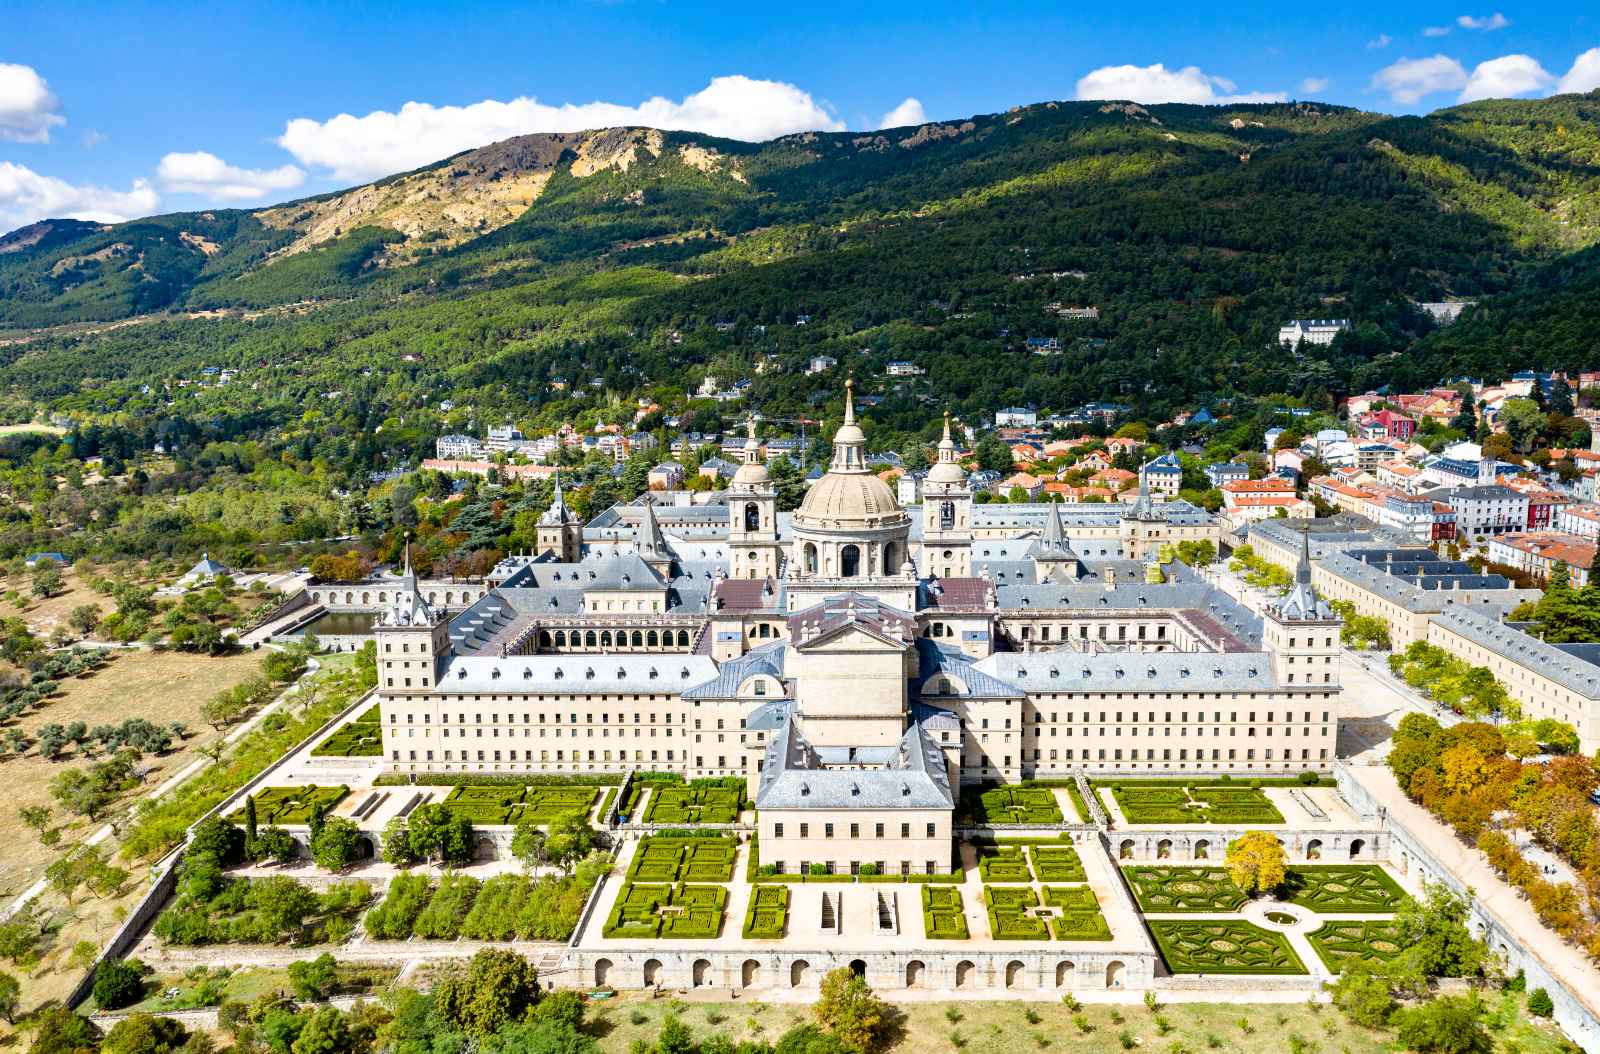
[1162,476]
[1312,330]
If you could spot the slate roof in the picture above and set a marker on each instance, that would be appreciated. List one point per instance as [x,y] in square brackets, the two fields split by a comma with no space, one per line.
[1573,670]
[932,659]
[767,659]
[1165,671]
[586,673]
[793,775]
[836,612]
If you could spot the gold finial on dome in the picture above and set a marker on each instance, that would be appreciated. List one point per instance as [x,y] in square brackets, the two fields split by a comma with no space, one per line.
[849,400]
[947,426]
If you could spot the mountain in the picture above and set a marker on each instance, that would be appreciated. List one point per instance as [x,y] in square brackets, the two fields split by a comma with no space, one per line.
[1194,230]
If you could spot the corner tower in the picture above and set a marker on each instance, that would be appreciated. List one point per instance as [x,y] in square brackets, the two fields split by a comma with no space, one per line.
[560,531]
[947,514]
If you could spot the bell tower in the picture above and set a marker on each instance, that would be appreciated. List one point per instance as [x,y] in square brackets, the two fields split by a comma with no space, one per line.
[947,514]
[753,515]
[559,530]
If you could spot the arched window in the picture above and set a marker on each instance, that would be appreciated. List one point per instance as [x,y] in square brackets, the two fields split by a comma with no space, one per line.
[947,515]
[638,639]
[850,561]
[683,638]
[544,639]
[653,639]
[590,639]
[752,517]
[891,558]
[605,638]
[561,638]
[809,555]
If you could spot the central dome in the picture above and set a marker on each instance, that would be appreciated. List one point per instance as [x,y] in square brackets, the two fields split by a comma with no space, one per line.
[848,495]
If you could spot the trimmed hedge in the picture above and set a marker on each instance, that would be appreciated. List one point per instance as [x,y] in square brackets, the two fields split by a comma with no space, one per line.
[1223,946]
[490,779]
[1008,920]
[692,912]
[694,804]
[1012,804]
[485,805]
[1159,802]
[1003,863]
[944,915]
[1170,889]
[1338,944]
[683,857]
[767,917]
[1080,918]
[1057,863]
[360,738]
[1345,889]
[283,805]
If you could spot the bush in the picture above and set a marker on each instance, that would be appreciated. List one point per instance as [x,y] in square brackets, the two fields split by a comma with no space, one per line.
[1540,1004]
[118,983]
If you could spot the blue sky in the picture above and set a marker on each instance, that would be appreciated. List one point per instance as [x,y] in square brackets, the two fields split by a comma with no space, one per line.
[114,110]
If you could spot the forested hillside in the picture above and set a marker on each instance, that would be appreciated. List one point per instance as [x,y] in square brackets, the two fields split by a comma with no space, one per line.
[646,258]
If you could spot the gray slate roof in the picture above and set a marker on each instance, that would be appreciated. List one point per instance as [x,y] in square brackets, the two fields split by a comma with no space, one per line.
[793,776]
[1067,671]
[1572,671]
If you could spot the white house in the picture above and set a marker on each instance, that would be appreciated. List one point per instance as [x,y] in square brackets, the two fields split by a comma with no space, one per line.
[1312,330]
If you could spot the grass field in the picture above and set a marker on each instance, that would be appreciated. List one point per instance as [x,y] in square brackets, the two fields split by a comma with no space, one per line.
[1004,1028]
[42,616]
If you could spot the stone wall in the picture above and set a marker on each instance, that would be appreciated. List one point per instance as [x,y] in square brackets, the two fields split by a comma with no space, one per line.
[1210,845]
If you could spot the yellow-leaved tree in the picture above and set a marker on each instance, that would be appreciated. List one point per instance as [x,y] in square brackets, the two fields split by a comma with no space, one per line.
[1256,862]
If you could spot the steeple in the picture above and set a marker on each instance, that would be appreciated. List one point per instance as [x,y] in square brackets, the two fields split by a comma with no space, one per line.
[1052,553]
[849,443]
[753,472]
[1302,603]
[557,514]
[947,469]
[410,608]
[649,543]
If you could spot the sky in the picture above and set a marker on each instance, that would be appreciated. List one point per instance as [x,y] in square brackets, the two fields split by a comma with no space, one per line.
[111,111]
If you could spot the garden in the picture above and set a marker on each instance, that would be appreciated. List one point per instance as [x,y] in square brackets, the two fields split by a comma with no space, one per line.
[1022,805]
[682,912]
[944,915]
[767,917]
[693,804]
[1078,915]
[273,910]
[1057,863]
[683,857]
[1172,889]
[1347,889]
[1372,941]
[1003,863]
[361,738]
[1223,946]
[1210,803]
[488,805]
[285,805]
[1008,914]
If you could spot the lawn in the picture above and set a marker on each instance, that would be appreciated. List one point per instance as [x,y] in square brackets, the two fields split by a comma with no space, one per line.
[1223,946]
[1164,889]
[670,804]
[282,805]
[1005,1027]
[1374,941]
[1345,889]
[360,738]
[1173,804]
[1014,805]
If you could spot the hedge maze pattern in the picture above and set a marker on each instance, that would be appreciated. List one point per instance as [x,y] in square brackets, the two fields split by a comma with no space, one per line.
[944,915]
[663,860]
[1223,946]
[1164,889]
[488,805]
[1003,863]
[361,738]
[1008,917]
[691,805]
[1197,804]
[681,912]
[1015,805]
[767,918]
[1348,889]
[1340,943]
[1057,863]
[1079,917]
[281,805]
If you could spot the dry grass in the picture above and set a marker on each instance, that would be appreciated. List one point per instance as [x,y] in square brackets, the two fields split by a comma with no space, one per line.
[1004,1028]
[42,616]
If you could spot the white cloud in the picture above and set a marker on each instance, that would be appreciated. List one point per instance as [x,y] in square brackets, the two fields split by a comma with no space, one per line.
[383,142]
[1313,85]
[202,173]
[27,109]
[1408,80]
[26,196]
[1436,31]
[907,113]
[1382,40]
[1584,76]
[1487,24]
[92,137]
[1506,77]
[1155,84]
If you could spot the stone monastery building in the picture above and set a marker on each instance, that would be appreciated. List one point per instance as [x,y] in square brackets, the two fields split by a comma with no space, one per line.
[859,661]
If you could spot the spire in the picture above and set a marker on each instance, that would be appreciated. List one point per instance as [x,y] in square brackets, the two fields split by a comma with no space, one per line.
[849,442]
[650,543]
[410,608]
[1302,569]
[752,449]
[849,400]
[1302,603]
[946,469]
[557,514]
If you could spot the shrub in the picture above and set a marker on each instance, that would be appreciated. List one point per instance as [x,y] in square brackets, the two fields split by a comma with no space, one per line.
[119,983]
[1540,1004]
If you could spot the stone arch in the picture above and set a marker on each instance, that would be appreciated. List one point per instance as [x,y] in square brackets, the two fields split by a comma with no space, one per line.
[1356,845]
[1202,849]
[637,640]
[750,973]
[683,638]
[1016,974]
[366,597]
[752,517]
[590,640]
[1164,849]
[349,597]
[364,850]
[701,975]
[914,972]
[652,972]
[1125,851]
[1116,971]
[544,638]
[1314,849]
[1066,973]
[966,974]
[892,558]
[652,639]
[797,973]
[808,557]
[605,638]
[602,970]
[850,561]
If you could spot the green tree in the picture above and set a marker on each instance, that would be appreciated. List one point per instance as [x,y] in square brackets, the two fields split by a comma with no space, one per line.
[570,839]
[1363,994]
[1446,1025]
[435,831]
[145,1034]
[10,996]
[84,618]
[528,844]
[1523,422]
[326,1031]
[546,1037]
[847,1008]
[118,983]
[314,979]
[47,580]
[58,1030]
[336,845]
[497,987]
[1434,933]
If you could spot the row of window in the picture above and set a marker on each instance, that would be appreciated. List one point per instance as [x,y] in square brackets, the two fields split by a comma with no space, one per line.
[1116,754]
[878,830]
[829,867]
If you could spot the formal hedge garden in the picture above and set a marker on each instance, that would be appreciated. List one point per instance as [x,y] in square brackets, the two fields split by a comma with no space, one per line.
[1372,941]
[1164,889]
[1160,803]
[684,912]
[1223,946]
[1057,863]
[944,916]
[509,805]
[361,738]
[668,858]
[767,917]
[669,804]
[1003,863]
[1342,889]
[1013,805]
[1079,917]
[283,805]
[1008,918]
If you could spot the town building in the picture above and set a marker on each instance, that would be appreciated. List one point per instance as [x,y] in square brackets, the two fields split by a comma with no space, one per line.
[1312,331]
